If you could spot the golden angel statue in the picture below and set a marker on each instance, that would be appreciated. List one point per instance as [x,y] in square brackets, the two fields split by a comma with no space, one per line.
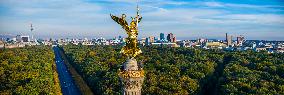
[131,48]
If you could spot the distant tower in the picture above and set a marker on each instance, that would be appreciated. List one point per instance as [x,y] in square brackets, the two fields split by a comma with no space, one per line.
[162,36]
[147,41]
[229,39]
[170,37]
[32,32]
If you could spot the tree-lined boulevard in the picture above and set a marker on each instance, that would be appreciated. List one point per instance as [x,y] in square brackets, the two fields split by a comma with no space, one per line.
[66,81]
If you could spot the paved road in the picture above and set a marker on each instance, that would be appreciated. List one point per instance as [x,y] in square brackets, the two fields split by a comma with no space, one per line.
[67,83]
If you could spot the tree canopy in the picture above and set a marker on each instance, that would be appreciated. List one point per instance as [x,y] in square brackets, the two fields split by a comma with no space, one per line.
[182,70]
[28,71]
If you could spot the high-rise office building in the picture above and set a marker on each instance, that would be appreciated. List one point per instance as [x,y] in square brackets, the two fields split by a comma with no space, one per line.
[147,41]
[162,36]
[240,40]
[152,39]
[170,37]
[229,39]
[226,37]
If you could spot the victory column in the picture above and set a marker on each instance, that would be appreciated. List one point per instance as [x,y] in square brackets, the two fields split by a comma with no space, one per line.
[132,74]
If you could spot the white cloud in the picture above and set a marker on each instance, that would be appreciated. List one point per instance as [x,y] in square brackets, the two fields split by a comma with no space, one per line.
[270,8]
[261,19]
[213,4]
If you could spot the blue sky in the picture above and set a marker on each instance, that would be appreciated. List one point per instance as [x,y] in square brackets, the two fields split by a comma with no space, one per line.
[187,19]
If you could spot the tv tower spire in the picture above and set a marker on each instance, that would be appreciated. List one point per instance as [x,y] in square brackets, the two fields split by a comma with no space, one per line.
[32,27]
[32,31]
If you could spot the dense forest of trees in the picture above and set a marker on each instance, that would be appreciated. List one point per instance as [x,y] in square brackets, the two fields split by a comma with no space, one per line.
[28,71]
[183,70]
[253,73]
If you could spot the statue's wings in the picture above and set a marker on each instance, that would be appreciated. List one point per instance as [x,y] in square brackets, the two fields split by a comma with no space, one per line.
[119,20]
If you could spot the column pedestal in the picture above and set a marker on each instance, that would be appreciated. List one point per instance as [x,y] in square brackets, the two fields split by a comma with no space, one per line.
[131,76]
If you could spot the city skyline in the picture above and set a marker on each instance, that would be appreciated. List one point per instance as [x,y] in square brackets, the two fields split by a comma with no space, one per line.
[187,19]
